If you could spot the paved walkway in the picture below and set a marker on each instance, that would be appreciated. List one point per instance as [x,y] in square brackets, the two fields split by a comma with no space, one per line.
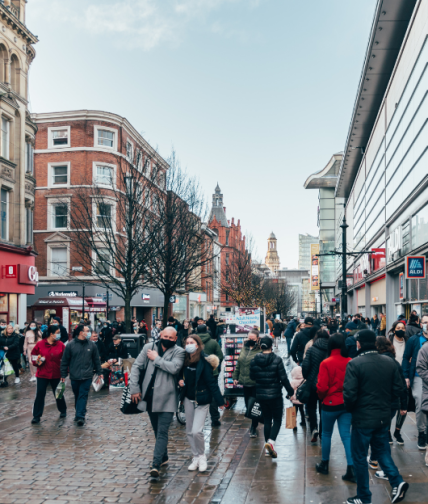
[108,460]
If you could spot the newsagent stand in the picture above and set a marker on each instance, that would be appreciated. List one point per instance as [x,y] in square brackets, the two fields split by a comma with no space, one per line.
[232,346]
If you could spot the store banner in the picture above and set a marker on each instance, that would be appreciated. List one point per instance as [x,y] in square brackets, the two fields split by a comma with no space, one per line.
[415,267]
[315,268]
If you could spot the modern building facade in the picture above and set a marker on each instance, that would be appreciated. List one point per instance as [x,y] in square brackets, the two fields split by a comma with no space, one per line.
[305,242]
[18,273]
[383,175]
[296,279]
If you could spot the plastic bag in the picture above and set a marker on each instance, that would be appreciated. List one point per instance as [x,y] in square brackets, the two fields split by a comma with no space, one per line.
[23,363]
[98,383]
[8,369]
[59,391]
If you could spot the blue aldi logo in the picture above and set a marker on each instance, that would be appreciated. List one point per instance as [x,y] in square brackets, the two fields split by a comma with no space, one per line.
[415,267]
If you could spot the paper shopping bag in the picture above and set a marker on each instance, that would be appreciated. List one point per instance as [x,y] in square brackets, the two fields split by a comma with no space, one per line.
[290,418]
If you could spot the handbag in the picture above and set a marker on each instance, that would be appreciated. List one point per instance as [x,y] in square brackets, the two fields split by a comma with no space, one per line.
[127,407]
[254,411]
[303,392]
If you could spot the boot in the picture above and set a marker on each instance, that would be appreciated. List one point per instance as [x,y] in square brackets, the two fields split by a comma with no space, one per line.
[350,474]
[322,467]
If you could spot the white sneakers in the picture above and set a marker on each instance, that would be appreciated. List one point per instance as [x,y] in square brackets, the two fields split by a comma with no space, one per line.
[198,462]
[17,380]
[33,378]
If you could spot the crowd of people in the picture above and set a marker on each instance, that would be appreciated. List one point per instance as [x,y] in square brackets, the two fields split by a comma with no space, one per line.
[352,373]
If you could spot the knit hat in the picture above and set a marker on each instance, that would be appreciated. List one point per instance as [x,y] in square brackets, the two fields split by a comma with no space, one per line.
[352,326]
[366,336]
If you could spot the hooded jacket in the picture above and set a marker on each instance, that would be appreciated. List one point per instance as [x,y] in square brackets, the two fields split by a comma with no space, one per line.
[206,388]
[211,347]
[12,344]
[300,341]
[267,370]
[330,380]
[410,357]
[242,369]
[291,329]
[372,383]
[82,357]
[50,369]
[311,363]
[411,329]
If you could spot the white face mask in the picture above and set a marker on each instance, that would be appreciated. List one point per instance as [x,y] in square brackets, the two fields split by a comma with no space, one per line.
[191,348]
[425,328]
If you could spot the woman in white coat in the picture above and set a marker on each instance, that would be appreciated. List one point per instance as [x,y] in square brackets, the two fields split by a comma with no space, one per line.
[32,336]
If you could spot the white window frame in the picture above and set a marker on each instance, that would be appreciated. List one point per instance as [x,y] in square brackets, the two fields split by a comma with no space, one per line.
[49,258]
[94,259]
[139,160]
[8,190]
[104,200]
[29,156]
[97,128]
[52,202]
[146,171]
[51,166]
[50,137]
[94,174]
[130,158]
[9,121]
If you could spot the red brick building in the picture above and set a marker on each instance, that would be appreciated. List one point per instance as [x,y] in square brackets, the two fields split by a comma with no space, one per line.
[74,150]
[230,238]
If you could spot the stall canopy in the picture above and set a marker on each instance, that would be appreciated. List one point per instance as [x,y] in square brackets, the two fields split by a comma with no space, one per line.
[75,303]
[95,304]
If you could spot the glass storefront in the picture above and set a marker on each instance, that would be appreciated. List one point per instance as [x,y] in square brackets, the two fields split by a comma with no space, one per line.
[9,308]
[179,308]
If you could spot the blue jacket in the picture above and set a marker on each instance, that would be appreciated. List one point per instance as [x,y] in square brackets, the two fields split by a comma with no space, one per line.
[410,357]
[291,329]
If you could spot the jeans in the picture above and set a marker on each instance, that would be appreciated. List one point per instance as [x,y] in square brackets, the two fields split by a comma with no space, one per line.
[289,340]
[312,406]
[160,423]
[214,412]
[39,402]
[378,438]
[81,392]
[421,419]
[250,392]
[343,419]
[272,412]
[195,421]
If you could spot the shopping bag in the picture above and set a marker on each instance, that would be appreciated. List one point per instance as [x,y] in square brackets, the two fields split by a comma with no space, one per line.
[127,407]
[23,363]
[59,391]
[254,411]
[117,378]
[8,369]
[97,383]
[290,418]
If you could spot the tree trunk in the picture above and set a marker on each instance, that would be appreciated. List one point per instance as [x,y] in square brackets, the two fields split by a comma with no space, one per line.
[165,310]
[128,313]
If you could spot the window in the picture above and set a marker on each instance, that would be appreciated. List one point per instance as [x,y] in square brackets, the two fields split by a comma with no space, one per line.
[103,215]
[58,261]
[5,138]
[59,175]
[104,175]
[29,158]
[60,137]
[147,166]
[227,237]
[59,216]
[227,276]
[4,197]
[29,224]
[227,259]
[139,160]
[102,264]
[405,238]
[105,138]
[420,227]
[129,152]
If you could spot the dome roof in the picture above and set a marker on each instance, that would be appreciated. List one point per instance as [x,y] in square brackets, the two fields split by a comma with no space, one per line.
[272,236]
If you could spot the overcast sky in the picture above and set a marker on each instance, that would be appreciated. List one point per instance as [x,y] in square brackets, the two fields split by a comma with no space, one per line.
[253,94]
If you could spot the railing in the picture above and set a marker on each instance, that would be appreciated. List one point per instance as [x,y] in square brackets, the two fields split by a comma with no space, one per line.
[14,10]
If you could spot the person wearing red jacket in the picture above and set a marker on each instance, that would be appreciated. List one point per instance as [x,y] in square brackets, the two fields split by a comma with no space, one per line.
[330,391]
[47,355]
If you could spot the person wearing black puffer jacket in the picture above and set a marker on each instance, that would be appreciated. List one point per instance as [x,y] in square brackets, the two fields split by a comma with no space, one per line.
[267,370]
[301,339]
[310,369]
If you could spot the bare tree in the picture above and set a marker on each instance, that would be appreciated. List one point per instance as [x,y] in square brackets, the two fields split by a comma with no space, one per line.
[278,297]
[110,221]
[181,252]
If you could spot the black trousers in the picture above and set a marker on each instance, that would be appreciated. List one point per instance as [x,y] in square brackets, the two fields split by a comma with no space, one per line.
[250,392]
[314,404]
[272,415]
[299,407]
[16,366]
[39,403]
[214,412]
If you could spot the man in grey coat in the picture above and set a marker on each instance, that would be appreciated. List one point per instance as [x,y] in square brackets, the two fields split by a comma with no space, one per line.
[162,361]
[422,370]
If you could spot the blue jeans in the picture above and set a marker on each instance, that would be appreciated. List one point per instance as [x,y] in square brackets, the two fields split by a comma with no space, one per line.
[378,438]
[343,419]
[289,340]
[81,392]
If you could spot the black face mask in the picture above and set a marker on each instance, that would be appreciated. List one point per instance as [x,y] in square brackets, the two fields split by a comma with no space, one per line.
[400,333]
[166,343]
[252,342]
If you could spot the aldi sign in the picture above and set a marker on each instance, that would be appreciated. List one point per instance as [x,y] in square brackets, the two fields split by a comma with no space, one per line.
[415,267]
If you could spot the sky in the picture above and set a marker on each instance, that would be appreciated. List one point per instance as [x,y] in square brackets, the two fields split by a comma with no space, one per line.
[253,94]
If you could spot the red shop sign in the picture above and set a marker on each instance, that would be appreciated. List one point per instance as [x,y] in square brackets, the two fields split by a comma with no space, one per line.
[10,271]
[28,275]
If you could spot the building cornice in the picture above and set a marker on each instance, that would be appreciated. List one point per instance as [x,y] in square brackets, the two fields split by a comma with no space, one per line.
[13,22]
[15,249]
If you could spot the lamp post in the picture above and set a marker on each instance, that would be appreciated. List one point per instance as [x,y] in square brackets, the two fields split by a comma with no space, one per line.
[344,299]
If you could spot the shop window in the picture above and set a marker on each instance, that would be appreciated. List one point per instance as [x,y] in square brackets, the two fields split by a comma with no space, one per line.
[414,295]
[4,203]
[5,127]
[424,309]
[423,289]
[58,265]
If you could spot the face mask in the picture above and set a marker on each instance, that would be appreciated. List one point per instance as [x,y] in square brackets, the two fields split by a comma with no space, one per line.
[57,337]
[191,348]
[251,342]
[2,327]
[105,325]
[425,328]
[33,327]
[88,335]
[54,323]
[167,343]
[400,333]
